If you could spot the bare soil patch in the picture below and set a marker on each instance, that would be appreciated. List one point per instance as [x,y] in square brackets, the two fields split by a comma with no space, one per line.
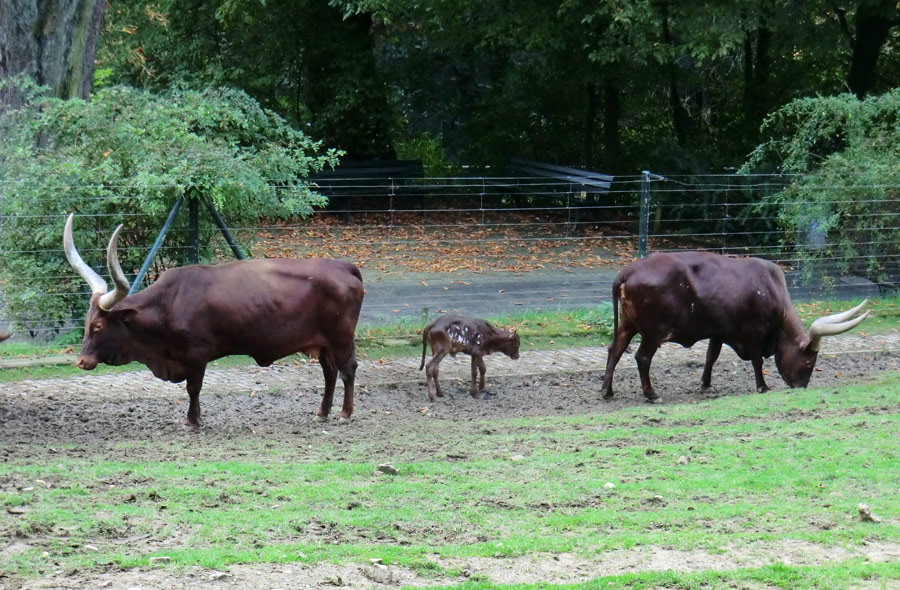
[90,415]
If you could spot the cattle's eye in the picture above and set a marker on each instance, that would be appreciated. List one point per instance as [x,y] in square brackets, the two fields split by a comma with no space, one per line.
[96,327]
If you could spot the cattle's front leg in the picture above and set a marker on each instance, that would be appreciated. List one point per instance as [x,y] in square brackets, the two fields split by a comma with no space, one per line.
[757,362]
[329,371]
[616,349]
[644,356]
[712,354]
[194,384]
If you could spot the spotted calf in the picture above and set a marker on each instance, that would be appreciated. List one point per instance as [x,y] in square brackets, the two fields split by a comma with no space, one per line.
[451,334]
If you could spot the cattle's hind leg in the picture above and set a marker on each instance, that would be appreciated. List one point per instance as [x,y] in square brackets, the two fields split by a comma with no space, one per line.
[348,376]
[712,354]
[616,349]
[329,371]
[644,356]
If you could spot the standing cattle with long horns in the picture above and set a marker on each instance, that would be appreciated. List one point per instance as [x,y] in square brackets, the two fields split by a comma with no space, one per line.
[266,309]
[742,302]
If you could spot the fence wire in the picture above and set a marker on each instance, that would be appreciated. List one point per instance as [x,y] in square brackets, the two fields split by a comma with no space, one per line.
[506,245]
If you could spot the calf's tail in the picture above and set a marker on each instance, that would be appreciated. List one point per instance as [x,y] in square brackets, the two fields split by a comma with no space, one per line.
[424,344]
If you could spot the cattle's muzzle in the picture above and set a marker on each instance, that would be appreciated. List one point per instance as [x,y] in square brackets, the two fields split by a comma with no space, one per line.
[86,363]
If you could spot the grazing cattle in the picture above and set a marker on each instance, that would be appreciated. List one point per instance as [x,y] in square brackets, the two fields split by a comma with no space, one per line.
[742,302]
[451,334]
[266,309]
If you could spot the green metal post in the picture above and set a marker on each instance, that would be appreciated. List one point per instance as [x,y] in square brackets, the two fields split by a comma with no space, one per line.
[159,240]
[238,252]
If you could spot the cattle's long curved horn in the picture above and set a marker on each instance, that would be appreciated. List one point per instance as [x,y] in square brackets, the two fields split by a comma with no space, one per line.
[108,300]
[94,281]
[832,325]
[840,317]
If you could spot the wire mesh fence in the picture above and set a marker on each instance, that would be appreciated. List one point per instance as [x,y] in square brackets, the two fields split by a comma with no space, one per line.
[505,245]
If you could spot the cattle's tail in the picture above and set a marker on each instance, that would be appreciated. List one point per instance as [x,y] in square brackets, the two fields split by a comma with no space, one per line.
[425,343]
[617,284]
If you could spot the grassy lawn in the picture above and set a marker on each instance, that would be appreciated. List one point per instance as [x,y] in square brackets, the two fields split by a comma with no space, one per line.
[758,469]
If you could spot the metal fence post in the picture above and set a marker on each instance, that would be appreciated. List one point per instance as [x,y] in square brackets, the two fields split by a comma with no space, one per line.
[193,254]
[644,220]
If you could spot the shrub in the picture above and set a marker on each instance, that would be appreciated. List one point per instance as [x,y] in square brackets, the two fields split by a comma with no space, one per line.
[125,156]
[840,211]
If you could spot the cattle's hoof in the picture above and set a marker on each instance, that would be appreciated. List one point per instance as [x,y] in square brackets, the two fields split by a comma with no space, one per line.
[190,426]
[654,400]
[320,418]
[490,394]
[608,397]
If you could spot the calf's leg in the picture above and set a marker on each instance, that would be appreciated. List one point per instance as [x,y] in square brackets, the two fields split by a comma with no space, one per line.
[481,369]
[712,354]
[473,389]
[431,372]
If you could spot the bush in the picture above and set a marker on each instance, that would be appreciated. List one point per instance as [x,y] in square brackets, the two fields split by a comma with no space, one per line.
[125,156]
[840,211]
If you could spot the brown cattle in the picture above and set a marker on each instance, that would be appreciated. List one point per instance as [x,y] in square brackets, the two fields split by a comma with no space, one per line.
[742,302]
[4,336]
[266,309]
[451,334]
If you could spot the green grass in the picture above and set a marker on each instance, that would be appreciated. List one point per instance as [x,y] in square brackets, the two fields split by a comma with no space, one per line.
[763,468]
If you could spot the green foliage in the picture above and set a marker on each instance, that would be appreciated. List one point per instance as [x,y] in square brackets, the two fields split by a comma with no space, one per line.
[845,152]
[428,148]
[298,58]
[125,157]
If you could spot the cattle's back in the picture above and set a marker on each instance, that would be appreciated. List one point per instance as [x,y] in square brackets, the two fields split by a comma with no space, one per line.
[690,296]
[273,305]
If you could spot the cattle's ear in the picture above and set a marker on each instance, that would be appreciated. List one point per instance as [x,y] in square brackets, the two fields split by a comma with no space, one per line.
[127,315]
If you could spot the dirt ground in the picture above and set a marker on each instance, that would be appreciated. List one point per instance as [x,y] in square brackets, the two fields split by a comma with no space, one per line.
[92,414]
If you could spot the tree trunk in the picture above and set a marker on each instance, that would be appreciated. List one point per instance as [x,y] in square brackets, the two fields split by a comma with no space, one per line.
[612,112]
[756,73]
[874,21]
[680,118]
[53,42]
[590,116]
